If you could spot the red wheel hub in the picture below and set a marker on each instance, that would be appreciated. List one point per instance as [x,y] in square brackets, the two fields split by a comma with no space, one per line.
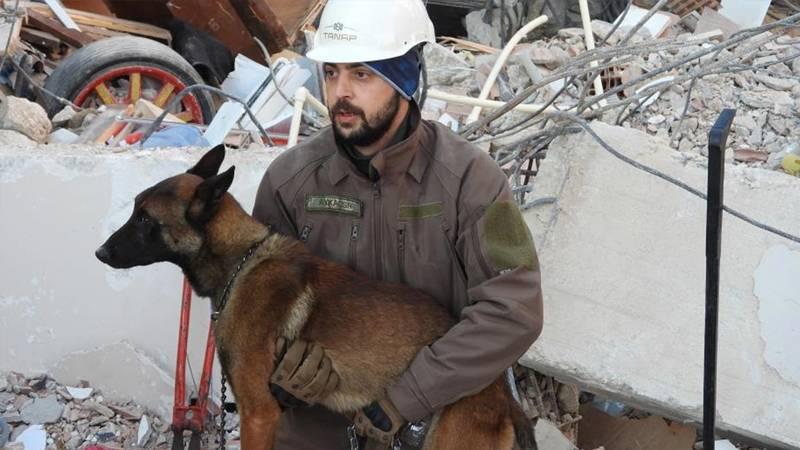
[101,88]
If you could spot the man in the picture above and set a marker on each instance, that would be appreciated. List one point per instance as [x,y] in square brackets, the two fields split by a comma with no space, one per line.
[404,200]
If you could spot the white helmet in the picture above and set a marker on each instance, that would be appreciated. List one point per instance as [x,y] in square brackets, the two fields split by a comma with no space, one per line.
[353,31]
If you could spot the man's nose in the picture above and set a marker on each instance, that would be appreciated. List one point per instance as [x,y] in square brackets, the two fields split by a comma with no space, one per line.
[343,88]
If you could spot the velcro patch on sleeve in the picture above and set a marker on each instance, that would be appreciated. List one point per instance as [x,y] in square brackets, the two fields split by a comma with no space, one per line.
[507,239]
[423,211]
[337,204]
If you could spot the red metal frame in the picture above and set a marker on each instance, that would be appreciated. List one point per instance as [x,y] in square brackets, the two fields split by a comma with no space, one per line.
[185,416]
[189,102]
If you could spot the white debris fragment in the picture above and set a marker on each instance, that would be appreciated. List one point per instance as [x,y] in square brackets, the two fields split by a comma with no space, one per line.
[144,432]
[33,438]
[79,393]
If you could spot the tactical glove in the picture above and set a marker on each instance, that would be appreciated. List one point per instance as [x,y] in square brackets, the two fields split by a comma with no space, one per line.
[379,421]
[303,374]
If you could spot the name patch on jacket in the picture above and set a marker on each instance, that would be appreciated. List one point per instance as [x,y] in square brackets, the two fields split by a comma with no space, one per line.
[423,211]
[337,204]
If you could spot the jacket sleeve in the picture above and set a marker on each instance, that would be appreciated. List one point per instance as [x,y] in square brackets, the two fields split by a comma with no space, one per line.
[504,314]
[270,210]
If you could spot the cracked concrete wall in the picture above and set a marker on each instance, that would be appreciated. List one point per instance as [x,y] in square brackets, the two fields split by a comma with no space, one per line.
[61,310]
[623,261]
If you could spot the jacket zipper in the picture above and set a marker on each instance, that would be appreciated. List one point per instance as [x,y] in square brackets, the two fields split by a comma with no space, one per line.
[401,252]
[454,255]
[305,232]
[376,227]
[355,230]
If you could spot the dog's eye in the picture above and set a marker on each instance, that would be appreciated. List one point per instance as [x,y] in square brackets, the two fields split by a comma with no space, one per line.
[143,218]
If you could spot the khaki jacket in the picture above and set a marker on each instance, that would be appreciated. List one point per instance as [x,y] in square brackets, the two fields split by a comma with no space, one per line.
[440,218]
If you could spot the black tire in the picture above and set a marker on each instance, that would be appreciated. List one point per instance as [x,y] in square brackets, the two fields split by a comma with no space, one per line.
[91,61]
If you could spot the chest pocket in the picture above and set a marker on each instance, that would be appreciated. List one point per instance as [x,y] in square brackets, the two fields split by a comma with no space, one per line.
[330,226]
[426,255]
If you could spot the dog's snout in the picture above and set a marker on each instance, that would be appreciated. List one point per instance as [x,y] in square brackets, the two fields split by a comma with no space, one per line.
[103,254]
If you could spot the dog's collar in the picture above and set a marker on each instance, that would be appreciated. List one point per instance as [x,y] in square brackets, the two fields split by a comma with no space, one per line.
[223,299]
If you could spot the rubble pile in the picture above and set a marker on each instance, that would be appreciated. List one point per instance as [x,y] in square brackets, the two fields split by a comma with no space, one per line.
[673,87]
[42,414]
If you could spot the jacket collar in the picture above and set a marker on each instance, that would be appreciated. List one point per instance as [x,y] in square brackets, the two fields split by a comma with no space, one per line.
[403,157]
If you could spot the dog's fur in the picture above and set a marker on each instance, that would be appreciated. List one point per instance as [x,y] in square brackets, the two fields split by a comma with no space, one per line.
[371,330]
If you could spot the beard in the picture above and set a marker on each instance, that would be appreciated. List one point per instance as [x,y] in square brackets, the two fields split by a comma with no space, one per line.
[368,130]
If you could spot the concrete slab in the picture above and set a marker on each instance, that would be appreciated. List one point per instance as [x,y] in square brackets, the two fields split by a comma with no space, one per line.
[622,255]
[61,310]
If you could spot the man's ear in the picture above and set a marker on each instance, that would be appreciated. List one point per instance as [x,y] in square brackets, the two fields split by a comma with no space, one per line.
[208,196]
[209,164]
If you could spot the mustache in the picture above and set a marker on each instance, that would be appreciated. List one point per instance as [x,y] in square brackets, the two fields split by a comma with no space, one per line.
[343,106]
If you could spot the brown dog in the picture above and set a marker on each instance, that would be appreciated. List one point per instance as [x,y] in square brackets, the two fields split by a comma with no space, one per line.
[281,289]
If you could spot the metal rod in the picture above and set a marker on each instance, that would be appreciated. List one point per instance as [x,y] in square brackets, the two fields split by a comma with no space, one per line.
[717,140]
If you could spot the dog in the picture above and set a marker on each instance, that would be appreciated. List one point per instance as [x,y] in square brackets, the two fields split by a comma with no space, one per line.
[276,288]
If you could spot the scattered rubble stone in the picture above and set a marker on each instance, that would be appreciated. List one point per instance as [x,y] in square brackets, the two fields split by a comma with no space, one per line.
[42,410]
[72,423]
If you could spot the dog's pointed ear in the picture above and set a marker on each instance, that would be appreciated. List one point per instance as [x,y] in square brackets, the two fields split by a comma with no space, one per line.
[209,164]
[208,195]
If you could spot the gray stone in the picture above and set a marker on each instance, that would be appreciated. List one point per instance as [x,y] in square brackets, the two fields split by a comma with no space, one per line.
[775,159]
[64,116]
[686,146]
[42,411]
[12,417]
[766,99]
[101,409]
[755,138]
[771,59]
[25,117]
[567,33]
[778,84]
[445,68]
[746,121]
[779,124]
[481,32]
[796,66]
[3,382]
[657,119]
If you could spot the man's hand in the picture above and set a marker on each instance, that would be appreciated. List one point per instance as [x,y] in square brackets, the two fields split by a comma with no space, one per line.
[379,421]
[303,374]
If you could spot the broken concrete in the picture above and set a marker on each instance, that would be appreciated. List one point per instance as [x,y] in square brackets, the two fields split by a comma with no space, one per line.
[71,315]
[549,437]
[623,264]
[42,410]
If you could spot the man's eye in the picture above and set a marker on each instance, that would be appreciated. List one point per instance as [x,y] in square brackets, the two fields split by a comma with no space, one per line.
[362,74]
[330,74]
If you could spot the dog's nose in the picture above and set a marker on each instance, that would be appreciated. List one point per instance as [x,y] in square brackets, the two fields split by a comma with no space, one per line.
[103,254]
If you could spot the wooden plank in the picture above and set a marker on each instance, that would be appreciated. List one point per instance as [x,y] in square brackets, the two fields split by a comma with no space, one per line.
[154,12]
[218,18]
[43,22]
[293,14]
[685,7]
[262,22]
[40,39]
[92,6]
[110,23]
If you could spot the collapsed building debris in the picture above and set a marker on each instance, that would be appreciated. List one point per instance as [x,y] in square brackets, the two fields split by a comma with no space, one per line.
[43,414]
[662,68]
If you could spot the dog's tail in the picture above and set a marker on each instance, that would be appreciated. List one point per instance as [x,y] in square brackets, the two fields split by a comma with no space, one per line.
[523,428]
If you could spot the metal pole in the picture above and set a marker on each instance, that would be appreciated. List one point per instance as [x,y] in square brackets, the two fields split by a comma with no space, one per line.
[717,140]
